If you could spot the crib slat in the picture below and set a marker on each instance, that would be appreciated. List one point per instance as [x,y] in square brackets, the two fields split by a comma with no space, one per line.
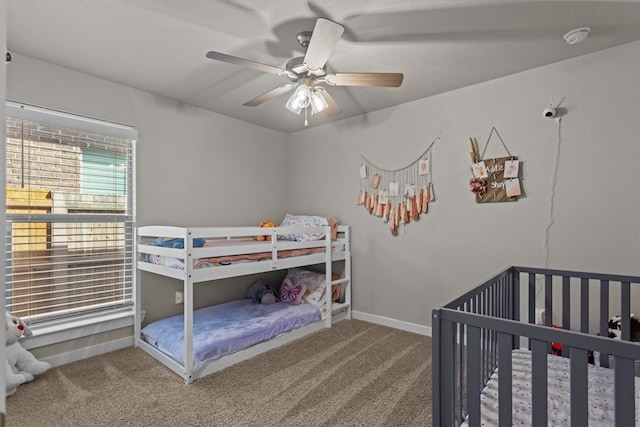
[436,373]
[624,403]
[578,384]
[584,305]
[515,285]
[548,303]
[566,302]
[486,354]
[531,302]
[447,384]
[548,299]
[625,297]
[604,318]
[461,370]
[505,392]
[474,383]
[495,312]
[539,383]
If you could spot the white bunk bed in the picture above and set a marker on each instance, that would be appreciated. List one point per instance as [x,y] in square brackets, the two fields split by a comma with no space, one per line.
[224,243]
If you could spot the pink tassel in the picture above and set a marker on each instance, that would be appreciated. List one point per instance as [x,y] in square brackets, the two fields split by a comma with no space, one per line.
[394,223]
[379,209]
[387,212]
[425,200]
[432,195]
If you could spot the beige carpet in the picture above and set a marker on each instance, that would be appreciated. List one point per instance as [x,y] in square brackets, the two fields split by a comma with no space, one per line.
[353,374]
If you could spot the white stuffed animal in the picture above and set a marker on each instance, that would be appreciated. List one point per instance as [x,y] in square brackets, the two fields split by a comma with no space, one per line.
[21,364]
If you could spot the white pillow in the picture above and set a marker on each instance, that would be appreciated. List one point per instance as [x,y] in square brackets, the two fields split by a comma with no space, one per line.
[315,285]
[303,221]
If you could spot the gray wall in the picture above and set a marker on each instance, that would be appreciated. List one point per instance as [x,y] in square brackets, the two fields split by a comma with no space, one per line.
[582,214]
[194,168]
[199,168]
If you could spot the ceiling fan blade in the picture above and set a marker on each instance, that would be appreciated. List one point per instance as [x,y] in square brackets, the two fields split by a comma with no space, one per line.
[333,109]
[364,79]
[323,39]
[245,63]
[269,95]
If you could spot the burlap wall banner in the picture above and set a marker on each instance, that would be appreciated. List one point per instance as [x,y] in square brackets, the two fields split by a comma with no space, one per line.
[494,180]
[499,188]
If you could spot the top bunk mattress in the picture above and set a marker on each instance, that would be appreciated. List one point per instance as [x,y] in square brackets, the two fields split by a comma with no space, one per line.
[223,329]
[232,258]
[248,250]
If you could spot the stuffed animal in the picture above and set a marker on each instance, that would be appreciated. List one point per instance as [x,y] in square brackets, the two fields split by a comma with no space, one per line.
[615,327]
[177,243]
[21,364]
[266,224]
[261,292]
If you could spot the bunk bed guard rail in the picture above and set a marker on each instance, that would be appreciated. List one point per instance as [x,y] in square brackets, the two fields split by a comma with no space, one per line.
[476,333]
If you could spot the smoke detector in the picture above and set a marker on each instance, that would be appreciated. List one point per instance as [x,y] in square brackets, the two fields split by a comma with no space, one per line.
[577,35]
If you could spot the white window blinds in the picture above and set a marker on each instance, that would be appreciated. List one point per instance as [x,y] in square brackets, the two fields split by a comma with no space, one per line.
[70,212]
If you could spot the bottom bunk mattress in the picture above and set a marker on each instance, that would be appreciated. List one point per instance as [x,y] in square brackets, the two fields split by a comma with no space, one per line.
[223,329]
[600,384]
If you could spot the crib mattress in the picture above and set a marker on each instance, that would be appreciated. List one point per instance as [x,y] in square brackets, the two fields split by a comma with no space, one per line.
[600,384]
[226,328]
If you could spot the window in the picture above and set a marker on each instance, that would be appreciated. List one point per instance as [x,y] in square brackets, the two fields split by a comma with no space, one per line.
[103,174]
[70,212]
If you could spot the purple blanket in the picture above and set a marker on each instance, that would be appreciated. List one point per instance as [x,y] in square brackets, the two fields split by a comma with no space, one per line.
[225,328]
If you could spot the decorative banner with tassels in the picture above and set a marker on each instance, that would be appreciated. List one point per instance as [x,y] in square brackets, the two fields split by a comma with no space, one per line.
[398,196]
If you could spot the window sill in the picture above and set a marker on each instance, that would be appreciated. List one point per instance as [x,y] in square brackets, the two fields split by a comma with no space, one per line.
[55,332]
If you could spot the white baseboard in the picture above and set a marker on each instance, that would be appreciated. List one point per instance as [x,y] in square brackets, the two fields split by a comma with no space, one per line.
[87,352]
[392,323]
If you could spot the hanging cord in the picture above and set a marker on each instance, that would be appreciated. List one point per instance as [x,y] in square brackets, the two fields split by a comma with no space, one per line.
[553,195]
[493,129]
[554,177]
[410,164]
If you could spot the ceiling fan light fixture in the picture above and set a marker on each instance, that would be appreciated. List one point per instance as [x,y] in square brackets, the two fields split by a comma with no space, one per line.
[318,103]
[308,73]
[300,99]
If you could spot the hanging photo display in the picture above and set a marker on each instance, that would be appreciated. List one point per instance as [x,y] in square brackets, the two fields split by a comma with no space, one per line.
[496,179]
[397,196]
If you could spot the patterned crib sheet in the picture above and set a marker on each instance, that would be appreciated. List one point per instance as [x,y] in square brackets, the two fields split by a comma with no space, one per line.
[600,385]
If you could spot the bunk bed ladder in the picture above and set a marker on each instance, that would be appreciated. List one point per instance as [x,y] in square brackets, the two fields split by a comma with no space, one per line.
[189,360]
[347,270]
[345,281]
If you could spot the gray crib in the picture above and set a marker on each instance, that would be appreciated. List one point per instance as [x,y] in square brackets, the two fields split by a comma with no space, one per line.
[477,333]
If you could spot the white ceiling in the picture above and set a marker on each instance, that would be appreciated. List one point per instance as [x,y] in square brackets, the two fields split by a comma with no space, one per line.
[159,46]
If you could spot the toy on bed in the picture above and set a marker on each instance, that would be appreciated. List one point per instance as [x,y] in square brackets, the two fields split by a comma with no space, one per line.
[21,364]
[266,224]
[261,292]
[615,328]
[178,243]
[306,286]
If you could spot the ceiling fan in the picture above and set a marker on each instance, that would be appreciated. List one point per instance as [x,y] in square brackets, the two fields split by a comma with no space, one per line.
[306,73]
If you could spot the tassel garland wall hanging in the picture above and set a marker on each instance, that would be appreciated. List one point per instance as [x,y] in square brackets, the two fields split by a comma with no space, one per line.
[397,196]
